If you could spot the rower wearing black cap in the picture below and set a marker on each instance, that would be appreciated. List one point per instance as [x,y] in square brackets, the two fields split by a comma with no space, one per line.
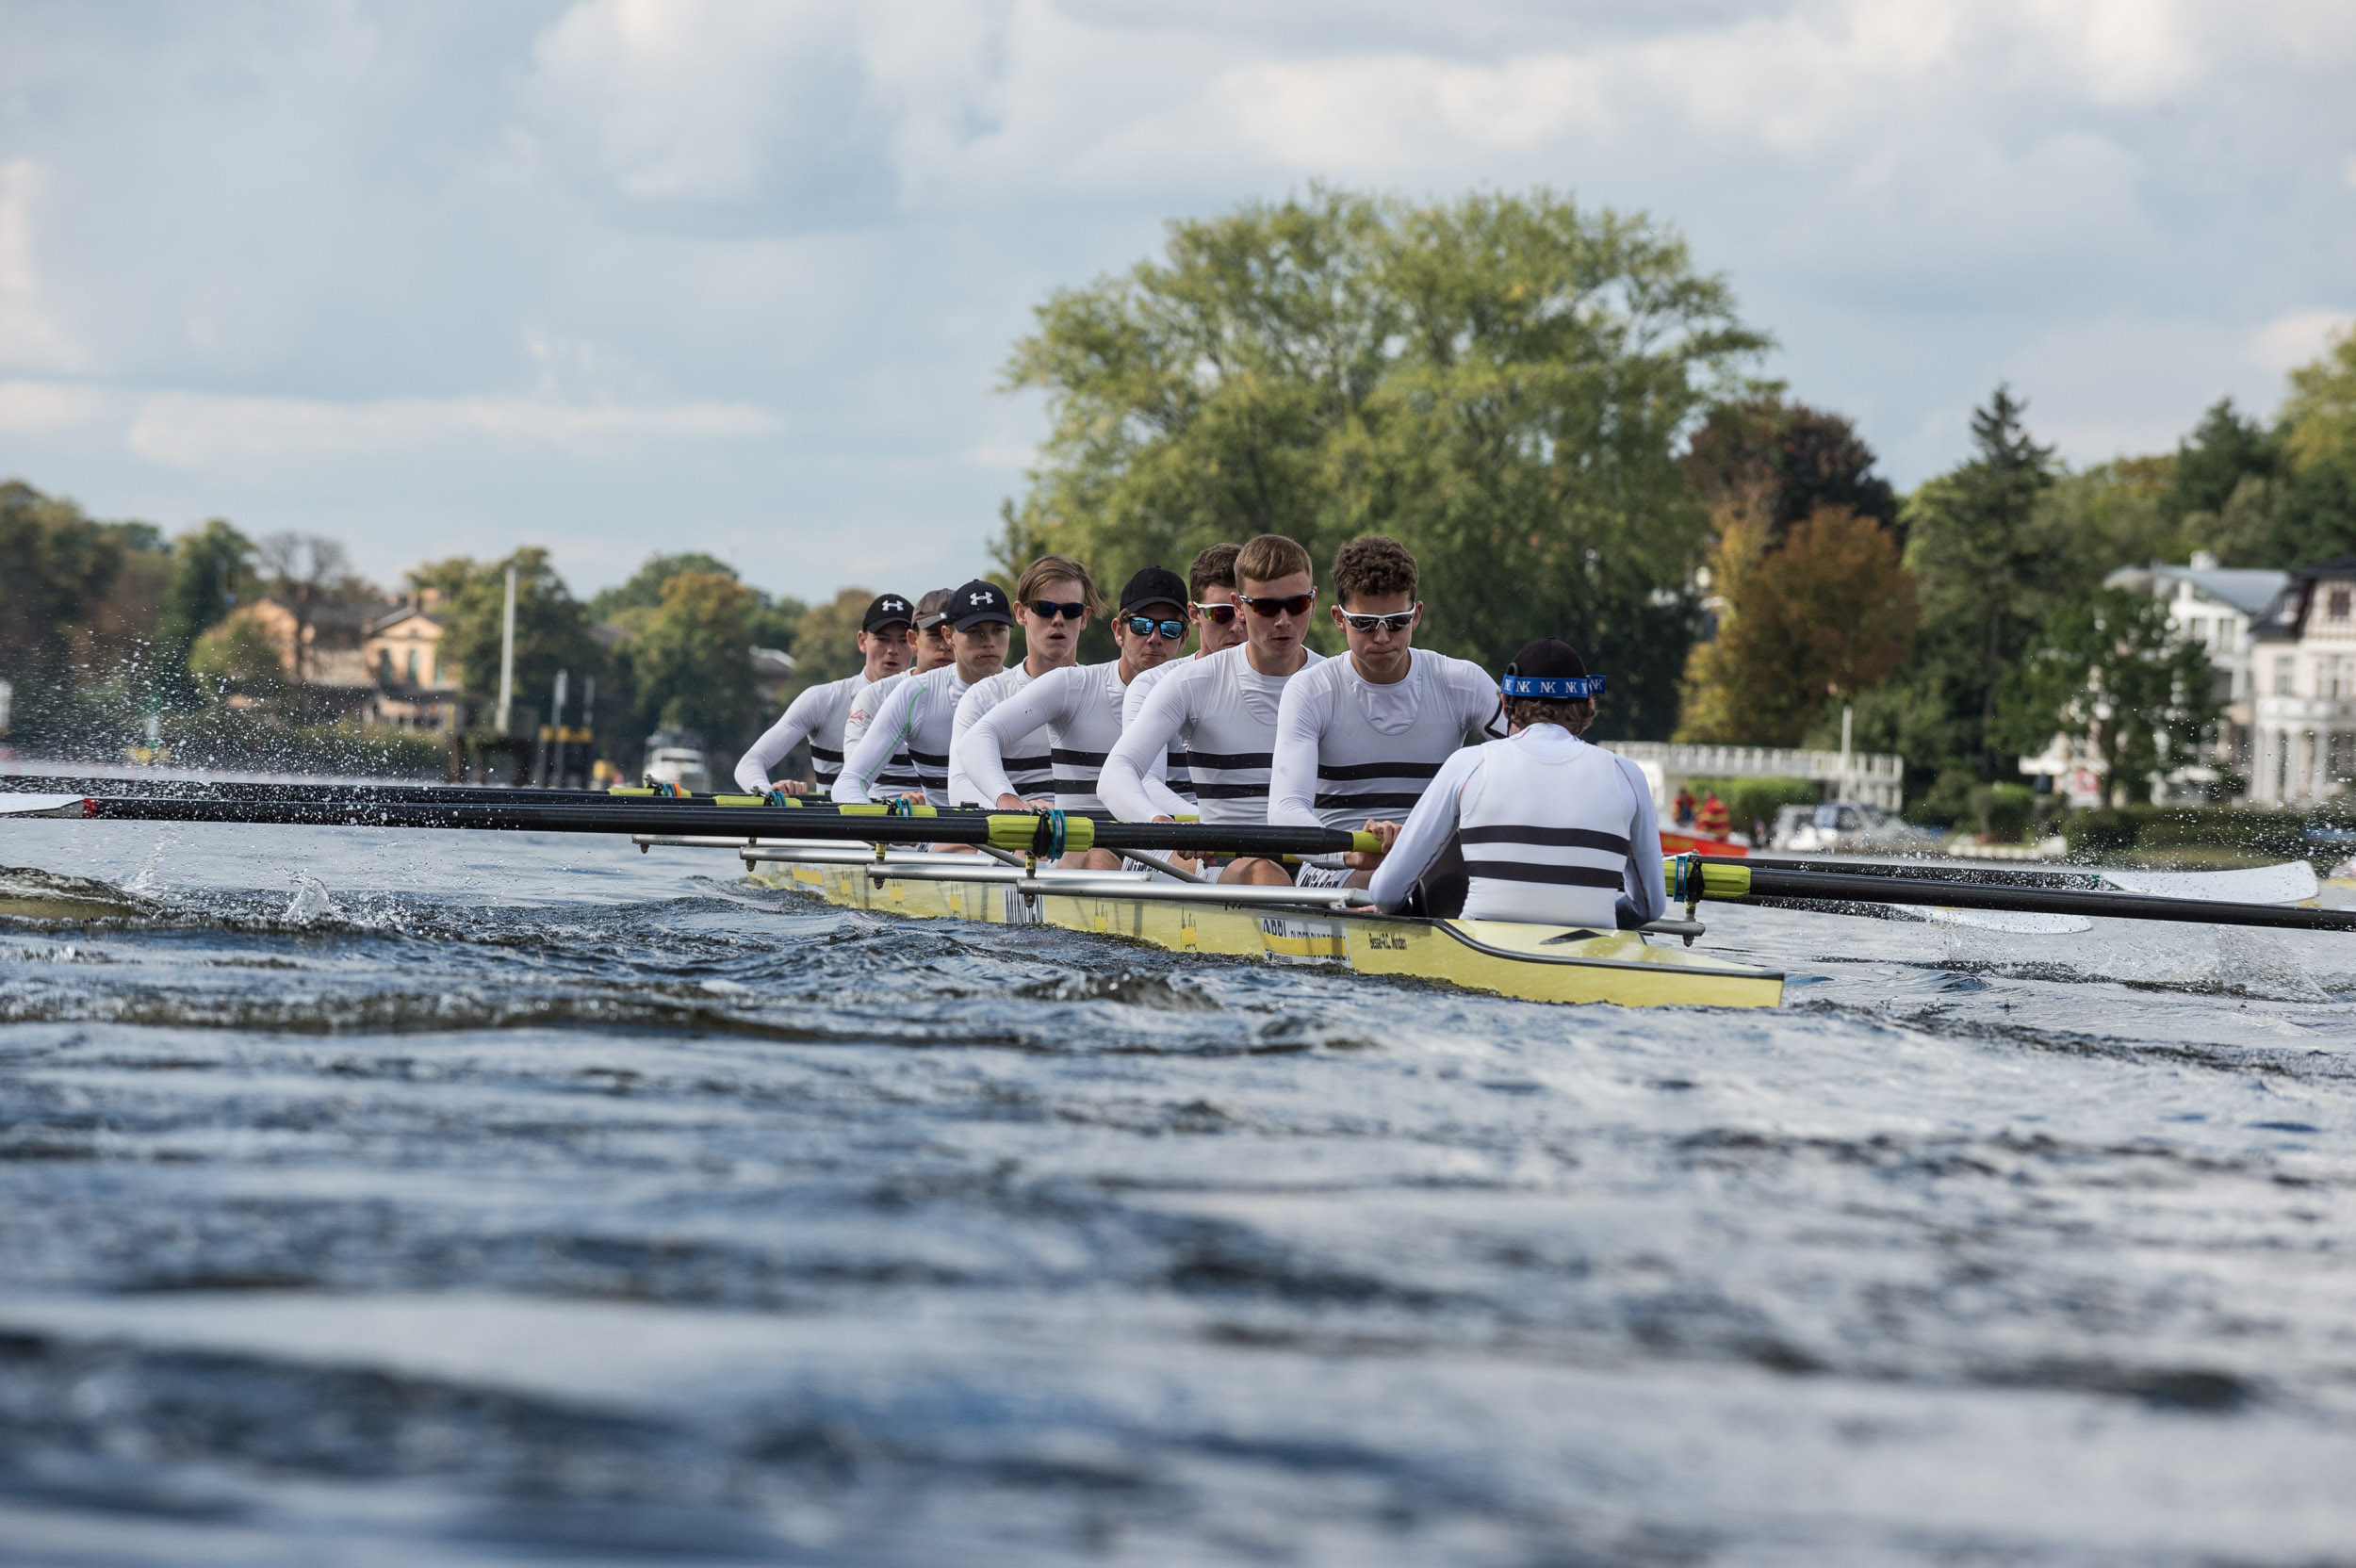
[1079,705]
[886,642]
[1553,831]
[918,714]
[931,640]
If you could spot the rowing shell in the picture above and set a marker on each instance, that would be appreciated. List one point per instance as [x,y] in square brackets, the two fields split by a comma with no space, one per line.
[1535,963]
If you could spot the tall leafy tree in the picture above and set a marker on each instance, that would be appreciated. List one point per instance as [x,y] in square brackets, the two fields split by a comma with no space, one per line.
[1795,459]
[2223,449]
[1825,615]
[55,565]
[212,573]
[551,632]
[690,659]
[2111,668]
[1988,558]
[1500,383]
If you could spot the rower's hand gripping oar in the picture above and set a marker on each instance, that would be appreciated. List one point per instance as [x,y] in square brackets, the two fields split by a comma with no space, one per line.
[1733,882]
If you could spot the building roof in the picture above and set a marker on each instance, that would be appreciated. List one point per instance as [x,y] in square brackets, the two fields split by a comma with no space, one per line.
[2247,589]
[399,613]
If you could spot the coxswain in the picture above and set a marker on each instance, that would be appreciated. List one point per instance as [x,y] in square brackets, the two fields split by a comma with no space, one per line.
[933,649]
[1223,709]
[1713,820]
[1553,831]
[1079,707]
[886,642]
[916,715]
[1054,600]
[1359,739]
[1211,606]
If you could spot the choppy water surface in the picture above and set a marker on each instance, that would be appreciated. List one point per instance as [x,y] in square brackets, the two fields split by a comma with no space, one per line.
[382,1198]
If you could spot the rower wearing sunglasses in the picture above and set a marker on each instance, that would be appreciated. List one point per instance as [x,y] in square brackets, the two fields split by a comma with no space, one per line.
[1079,707]
[917,715]
[930,637]
[1223,707]
[1359,739]
[1052,600]
[1553,831]
[1211,607]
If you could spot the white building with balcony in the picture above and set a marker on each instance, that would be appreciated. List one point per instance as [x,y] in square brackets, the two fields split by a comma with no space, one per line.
[2216,607]
[2303,656]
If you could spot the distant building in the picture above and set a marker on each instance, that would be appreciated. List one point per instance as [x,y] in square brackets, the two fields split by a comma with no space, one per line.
[416,686]
[2216,607]
[2303,654]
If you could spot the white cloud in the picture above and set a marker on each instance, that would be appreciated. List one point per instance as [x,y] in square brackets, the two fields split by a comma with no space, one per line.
[193,429]
[34,406]
[2293,340]
[30,338]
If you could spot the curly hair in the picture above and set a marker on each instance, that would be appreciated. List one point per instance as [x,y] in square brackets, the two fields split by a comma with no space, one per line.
[1371,566]
[1213,568]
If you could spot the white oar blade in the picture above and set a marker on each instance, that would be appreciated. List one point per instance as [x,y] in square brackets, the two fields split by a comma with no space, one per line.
[2020,922]
[42,805]
[2292,882]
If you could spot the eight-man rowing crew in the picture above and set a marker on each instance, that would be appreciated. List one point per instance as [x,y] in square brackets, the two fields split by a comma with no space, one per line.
[1530,823]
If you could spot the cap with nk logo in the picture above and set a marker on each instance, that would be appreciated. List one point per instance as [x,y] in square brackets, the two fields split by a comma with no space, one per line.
[887,610]
[977,602]
[1552,670]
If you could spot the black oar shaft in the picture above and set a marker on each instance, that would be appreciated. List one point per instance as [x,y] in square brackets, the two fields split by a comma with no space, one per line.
[1767,883]
[1017,831]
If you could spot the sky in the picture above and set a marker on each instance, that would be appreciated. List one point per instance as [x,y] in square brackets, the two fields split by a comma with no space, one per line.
[621,277]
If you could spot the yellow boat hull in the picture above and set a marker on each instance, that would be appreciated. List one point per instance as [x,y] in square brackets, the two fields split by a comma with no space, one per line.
[1535,963]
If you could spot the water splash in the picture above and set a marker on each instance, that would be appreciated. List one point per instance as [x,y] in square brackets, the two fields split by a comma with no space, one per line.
[310,902]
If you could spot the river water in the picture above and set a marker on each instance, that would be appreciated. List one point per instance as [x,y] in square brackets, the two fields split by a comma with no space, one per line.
[381,1198]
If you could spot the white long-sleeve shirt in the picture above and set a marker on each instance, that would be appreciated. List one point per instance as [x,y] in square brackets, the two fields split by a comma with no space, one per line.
[1079,708]
[916,716]
[1225,712]
[1033,771]
[1348,751]
[815,716]
[1458,787]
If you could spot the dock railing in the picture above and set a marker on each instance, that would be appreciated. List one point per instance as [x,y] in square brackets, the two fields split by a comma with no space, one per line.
[1869,777]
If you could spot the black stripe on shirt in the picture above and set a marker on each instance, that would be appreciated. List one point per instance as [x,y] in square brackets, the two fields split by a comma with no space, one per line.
[1230,758]
[1203,790]
[1552,838]
[1521,871]
[1380,770]
[1334,802]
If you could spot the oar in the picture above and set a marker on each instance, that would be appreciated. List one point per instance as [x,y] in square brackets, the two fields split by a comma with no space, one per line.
[1045,834]
[103,787]
[1835,891]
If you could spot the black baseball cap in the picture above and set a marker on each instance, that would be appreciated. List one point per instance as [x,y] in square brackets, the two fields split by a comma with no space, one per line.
[977,602]
[1155,586]
[1552,669]
[932,610]
[887,610]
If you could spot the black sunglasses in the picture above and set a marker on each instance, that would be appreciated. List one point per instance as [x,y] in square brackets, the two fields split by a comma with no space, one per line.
[1216,615]
[1145,625]
[1070,610]
[1297,605]
[1399,620]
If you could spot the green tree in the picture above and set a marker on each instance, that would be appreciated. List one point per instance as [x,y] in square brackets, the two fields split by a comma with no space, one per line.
[551,632]
[825,645]
[1500,383]
[1794,458]
[774,621]
[1825,614]
[690,659]
[1989,557]
[55,565]
[236,655]
[212,572]
[2223,449]
[2110,667]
